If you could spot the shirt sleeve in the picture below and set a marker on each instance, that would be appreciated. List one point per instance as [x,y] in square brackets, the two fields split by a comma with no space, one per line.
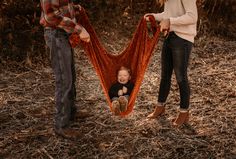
[130,88]
[190,16]
[53,16]
[113,91]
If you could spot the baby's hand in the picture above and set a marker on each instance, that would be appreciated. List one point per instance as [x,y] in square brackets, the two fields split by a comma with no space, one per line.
[120,92]
[124,89]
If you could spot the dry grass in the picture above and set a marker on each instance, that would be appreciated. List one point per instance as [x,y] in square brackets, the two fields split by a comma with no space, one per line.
[27,108]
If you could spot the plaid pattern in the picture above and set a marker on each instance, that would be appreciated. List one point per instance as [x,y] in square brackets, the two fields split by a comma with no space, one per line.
[60,14]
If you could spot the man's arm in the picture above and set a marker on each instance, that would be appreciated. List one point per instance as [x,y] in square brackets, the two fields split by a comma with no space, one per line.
[53,16]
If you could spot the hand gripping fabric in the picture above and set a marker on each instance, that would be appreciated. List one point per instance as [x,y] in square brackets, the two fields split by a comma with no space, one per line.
[135,56]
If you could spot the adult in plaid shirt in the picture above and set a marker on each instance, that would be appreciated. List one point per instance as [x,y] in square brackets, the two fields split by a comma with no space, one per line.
[59,19]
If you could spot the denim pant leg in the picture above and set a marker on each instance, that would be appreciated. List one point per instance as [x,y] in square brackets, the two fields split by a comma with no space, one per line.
[181,50]
[63,67]
[73,86]
[166,72]
[175,56]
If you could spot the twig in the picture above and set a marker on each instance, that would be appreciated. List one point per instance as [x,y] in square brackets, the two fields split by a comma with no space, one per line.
[100,124]
[46,153]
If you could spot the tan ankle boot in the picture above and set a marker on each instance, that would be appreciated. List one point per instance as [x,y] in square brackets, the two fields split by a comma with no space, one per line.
[182,118]
[116,107]
[159,110]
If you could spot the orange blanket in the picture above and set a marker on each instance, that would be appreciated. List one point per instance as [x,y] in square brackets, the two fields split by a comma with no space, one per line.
[135,56]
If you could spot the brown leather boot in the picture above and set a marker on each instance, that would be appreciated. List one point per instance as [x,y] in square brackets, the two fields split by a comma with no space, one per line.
[116,107]
[182,118]
[82,114]
[67,133]
[159,110]
[123,103]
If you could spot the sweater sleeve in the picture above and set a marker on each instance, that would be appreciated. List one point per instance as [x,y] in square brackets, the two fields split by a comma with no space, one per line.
[130,88]
[159,16]
[190,16]
[113,91]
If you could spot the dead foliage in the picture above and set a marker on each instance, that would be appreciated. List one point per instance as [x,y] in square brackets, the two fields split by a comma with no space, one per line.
[27,109]
[27,105]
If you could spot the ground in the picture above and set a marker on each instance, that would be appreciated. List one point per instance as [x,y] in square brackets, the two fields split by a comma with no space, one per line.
[27,109]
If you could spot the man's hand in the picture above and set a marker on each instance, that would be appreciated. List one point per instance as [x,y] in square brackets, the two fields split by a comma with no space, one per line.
[84,35]
[124,89]
[77,6]
[120,92]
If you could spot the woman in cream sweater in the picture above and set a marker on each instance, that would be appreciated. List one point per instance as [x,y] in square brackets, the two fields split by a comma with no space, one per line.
[178,23]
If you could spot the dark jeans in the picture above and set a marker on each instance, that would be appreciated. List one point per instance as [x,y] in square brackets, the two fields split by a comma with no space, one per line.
[62,62]
[175,56]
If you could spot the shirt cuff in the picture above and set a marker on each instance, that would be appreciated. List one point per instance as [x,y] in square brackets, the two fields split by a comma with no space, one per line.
[78,28]
[172,20]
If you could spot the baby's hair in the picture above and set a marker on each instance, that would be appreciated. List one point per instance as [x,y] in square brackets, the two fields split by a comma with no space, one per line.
[124,68]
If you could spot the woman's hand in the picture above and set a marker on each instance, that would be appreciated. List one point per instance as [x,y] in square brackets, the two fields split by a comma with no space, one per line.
[165,26]
[146,16]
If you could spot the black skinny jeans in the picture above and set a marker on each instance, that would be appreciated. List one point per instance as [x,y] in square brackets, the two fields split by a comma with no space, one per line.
[175,56]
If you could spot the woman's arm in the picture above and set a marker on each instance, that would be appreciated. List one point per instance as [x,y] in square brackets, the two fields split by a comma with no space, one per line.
[191,15]
[159,16]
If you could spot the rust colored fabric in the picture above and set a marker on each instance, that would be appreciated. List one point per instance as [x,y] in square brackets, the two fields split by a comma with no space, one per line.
[135,56]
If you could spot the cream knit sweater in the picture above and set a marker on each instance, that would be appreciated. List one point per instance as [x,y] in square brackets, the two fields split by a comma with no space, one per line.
[183,17]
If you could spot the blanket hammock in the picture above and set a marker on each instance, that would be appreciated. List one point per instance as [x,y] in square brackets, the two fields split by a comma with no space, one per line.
[135,56]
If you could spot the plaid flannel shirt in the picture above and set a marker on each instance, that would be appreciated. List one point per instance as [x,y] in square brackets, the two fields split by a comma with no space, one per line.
[60,14]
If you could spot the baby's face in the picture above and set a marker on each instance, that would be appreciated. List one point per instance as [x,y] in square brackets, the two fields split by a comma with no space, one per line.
[123,76]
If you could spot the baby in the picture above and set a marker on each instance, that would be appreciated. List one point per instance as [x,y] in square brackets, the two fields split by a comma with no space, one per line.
[120,91]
